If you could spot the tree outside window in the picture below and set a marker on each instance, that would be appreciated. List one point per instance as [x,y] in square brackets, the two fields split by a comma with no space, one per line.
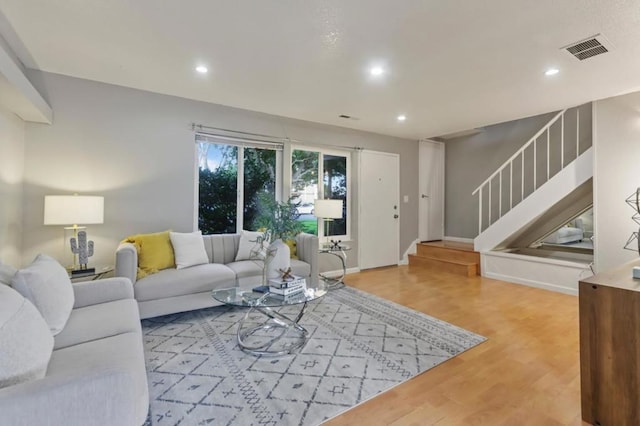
[232,176]
[219,194]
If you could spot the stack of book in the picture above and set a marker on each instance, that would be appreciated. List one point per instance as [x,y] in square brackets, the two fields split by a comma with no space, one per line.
[287,288]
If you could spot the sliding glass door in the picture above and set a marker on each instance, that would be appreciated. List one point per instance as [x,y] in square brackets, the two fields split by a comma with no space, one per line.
[231,175]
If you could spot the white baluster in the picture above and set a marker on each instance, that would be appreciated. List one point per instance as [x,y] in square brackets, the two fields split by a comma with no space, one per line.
[489,222]
[535,165]
[500,196]
[562,142]
[577,132]
[480,212]
[548,153]
[510,185]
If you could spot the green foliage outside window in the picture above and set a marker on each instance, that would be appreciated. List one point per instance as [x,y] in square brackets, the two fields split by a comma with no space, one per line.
[218,191]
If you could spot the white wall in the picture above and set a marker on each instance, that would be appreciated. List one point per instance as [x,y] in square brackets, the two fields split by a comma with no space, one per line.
[12,148]
[616,176]
[137,149]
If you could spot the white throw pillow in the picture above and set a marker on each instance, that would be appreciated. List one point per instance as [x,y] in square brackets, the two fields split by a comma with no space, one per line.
[252,246]
[46,284]
[6,273]
[188,249]
[26,343]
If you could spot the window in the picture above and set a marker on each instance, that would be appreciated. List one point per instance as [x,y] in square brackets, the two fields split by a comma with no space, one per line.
[320,174]
[230,175]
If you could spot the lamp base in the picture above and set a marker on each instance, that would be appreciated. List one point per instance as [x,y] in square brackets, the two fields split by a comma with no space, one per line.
[82,271]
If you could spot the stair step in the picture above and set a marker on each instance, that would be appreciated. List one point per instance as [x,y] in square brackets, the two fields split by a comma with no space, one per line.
[448,253]
[467,269]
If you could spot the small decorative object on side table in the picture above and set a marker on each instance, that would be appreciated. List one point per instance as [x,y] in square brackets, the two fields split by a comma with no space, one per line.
[84,250]
[337,249]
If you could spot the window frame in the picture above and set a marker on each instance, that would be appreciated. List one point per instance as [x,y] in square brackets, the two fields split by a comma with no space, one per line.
[241,144]
[321,153]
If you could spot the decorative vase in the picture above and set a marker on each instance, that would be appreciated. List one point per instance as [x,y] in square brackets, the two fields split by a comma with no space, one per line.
[278,258]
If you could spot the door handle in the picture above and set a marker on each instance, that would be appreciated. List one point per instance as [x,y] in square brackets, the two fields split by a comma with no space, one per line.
[425,196]
[395,216]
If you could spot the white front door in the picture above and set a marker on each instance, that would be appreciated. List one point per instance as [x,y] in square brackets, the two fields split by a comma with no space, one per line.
[431,175]
[379,212]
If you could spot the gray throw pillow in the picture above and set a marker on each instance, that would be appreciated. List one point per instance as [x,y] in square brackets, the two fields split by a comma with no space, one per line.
[46,284]
[26,343]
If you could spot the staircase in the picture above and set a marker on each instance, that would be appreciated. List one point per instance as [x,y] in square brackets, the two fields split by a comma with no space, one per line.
[531,194]
[546,169]
[448,256]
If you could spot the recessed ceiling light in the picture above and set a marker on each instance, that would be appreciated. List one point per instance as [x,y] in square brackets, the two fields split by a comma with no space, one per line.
[376,71]
[551,71]
[402,117]
[202,69]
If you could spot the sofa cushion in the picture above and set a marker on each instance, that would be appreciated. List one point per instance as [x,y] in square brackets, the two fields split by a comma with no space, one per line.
[188,249]
[247,268]
[99,321]
[25,340]
[6,273]
[155,252]
[121,353]
[252,246]
[46,284]
[171,282]
[300,268]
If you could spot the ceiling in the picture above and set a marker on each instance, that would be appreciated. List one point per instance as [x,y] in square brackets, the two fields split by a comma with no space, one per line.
[449,65]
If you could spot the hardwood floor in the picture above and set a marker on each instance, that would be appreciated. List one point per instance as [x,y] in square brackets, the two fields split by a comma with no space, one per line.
[527,373]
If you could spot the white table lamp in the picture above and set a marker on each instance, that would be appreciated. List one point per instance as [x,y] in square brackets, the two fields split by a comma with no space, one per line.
[73,210]
[328,210]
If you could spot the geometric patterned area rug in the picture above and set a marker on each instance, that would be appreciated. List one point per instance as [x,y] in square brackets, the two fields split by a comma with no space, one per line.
[360,345]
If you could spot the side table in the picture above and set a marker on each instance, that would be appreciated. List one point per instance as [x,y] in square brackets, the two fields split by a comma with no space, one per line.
[339,252]
[101,271]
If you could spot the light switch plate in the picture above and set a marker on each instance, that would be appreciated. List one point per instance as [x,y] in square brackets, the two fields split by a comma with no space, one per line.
[406,198]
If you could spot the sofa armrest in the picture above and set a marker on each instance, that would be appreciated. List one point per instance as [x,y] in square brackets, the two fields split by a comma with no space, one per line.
[101,291]
[307,245]
[98,398]
[127,262]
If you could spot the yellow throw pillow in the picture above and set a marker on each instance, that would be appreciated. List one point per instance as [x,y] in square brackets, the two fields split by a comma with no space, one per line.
[293,248]
[155,252]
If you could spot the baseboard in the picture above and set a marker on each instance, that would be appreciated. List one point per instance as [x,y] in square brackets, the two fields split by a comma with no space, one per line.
[338,272]
[530,283]
[458,239]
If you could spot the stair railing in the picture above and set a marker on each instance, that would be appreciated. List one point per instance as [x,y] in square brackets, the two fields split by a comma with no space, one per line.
[532,176]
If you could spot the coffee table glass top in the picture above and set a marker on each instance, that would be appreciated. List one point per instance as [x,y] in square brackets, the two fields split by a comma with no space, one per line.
[246,297]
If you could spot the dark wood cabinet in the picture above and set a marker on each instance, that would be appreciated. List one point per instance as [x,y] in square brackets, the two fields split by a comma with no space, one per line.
[610,347]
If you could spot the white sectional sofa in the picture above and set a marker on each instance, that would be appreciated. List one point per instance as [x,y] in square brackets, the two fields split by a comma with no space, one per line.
[92,372]
[176,290]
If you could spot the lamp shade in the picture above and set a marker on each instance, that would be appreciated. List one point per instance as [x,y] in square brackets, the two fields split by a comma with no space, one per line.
[328,209]
[73,209]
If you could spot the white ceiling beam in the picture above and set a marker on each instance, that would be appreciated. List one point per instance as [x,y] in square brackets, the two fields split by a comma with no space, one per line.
[17,94]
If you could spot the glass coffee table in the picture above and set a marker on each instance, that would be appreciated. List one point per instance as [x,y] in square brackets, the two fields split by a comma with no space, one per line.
[274,333]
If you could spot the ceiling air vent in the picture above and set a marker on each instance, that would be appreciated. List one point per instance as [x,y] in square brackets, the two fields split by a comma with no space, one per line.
[589,47]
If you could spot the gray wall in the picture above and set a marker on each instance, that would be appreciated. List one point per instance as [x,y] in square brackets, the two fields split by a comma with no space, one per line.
[472,159]
[136,149]
[11,187]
